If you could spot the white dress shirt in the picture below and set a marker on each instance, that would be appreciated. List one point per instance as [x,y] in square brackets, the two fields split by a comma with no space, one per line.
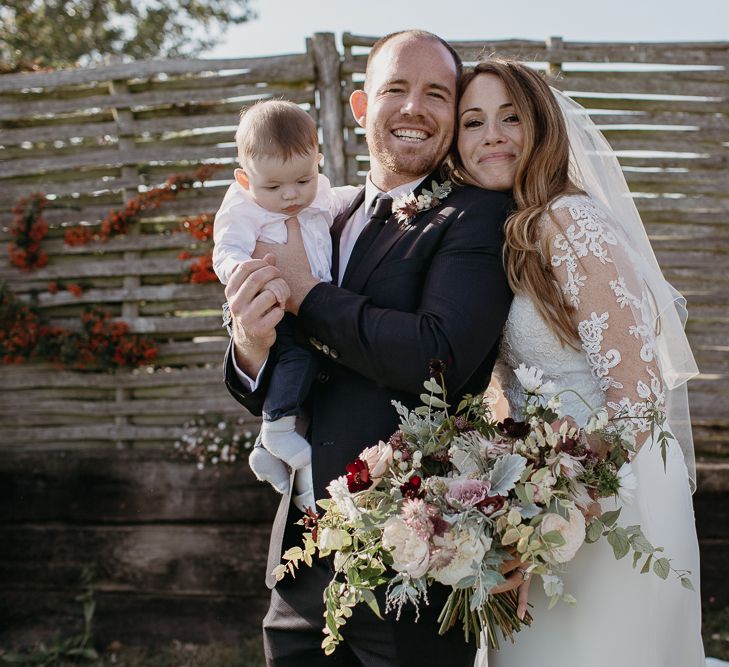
[241,221]
[347,240]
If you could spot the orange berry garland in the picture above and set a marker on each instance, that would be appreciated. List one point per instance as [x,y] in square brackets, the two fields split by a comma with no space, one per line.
[102,342]
[28,230]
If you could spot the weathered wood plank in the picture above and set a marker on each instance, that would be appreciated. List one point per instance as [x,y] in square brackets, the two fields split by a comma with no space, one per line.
[135,619]
[293,67]
[190,97]
[127,488]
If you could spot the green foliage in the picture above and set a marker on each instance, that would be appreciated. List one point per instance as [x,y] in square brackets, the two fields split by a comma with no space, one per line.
[59,33]
[78,648]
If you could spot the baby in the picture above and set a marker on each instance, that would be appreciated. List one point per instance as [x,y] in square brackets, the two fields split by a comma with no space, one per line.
[278,178]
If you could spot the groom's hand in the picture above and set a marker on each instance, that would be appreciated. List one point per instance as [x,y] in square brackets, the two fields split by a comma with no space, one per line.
[255,311]
[293,263]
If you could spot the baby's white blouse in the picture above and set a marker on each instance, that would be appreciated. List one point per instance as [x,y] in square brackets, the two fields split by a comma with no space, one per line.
[240,222]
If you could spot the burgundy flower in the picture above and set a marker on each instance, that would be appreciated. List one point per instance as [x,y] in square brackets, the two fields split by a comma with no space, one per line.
[513,428]
[436,367]
[311,522]
[358,476]
[397,440]
[491,504]
[567,445]
[411,488]
[461,424]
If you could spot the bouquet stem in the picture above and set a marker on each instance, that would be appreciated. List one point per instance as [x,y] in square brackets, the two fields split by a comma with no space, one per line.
[498,613]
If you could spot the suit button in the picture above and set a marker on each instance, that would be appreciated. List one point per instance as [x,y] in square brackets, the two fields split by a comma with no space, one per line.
[334,354]
[325,349]
[326,443]
[315,343]
[322,376]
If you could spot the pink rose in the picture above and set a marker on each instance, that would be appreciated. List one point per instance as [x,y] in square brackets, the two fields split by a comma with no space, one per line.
[378,459]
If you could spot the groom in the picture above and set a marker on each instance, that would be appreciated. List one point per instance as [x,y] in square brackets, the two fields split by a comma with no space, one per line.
[404,293]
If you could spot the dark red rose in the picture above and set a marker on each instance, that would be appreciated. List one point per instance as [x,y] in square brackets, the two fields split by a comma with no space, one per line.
[358,476]
[513,429]
[411,488]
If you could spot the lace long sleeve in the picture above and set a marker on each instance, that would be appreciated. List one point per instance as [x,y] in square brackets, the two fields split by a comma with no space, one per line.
[612,313]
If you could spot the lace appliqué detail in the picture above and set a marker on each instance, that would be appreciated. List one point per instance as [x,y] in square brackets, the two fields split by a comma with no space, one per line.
[591,335]
[587,235]
[642,331]
[638,413]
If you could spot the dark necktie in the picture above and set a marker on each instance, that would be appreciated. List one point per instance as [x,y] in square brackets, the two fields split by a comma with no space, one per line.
[382,210]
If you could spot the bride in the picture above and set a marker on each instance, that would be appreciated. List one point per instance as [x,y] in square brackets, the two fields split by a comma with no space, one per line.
[593,310]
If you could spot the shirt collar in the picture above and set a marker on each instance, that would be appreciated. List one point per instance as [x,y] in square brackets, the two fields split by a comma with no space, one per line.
[371,190]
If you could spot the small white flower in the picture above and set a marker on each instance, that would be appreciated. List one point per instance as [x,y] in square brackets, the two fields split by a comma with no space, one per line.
[531,380]
[200,465]
[221,426]
[628,484]
[339,493]
[554,403]
[403,465]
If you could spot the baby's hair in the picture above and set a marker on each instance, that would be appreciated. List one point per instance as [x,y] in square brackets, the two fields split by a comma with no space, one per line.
[275,128]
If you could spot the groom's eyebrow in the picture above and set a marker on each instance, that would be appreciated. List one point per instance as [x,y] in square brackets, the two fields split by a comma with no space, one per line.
[431,86]
[506,105]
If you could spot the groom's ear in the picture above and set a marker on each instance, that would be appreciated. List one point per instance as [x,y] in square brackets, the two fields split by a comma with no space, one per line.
[358,104]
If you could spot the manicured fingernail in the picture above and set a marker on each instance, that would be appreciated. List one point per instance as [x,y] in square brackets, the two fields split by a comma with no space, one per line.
[520,614]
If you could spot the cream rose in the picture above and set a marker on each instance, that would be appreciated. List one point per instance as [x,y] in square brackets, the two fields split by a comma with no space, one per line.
[463,552]
[410,552]
[378,459]
[572,531]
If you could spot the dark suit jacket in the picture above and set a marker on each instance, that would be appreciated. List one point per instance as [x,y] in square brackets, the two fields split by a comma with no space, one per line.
[432,289]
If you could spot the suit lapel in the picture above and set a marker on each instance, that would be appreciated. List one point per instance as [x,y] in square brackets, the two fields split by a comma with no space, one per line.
[356,276]
[338,227]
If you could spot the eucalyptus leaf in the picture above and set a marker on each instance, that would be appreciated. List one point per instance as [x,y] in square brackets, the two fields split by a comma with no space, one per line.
[686,583]
[554,538]
[369,597]
[647,565]
[662,567]
[641,544]
[618,540]
[609,518]
[594,531]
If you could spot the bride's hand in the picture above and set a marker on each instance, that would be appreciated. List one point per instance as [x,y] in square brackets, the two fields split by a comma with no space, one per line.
[516,578]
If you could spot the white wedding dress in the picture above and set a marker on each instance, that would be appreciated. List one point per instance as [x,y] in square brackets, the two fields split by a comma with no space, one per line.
[622,618]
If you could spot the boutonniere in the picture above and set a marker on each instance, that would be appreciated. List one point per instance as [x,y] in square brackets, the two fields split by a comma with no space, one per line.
[407,206]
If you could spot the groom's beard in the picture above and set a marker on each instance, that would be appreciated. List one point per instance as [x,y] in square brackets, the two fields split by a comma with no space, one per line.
[408,160]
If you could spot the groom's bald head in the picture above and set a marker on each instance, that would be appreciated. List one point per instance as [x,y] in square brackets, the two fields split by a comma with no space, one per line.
[418,35]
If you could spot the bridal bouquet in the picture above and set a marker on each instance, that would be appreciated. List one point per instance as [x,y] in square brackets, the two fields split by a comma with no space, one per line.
[452,497]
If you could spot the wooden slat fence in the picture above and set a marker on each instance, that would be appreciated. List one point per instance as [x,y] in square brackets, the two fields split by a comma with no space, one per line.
[86,475]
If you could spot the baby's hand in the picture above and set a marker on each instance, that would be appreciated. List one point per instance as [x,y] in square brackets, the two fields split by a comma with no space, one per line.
[280,290]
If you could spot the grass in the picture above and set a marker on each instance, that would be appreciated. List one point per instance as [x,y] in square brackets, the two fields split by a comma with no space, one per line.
[716,632]
[249,653]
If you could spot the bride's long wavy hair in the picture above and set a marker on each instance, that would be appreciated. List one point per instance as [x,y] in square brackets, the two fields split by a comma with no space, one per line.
[542,175]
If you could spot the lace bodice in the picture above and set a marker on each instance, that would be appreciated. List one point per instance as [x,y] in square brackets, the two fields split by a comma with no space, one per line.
[615,365]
